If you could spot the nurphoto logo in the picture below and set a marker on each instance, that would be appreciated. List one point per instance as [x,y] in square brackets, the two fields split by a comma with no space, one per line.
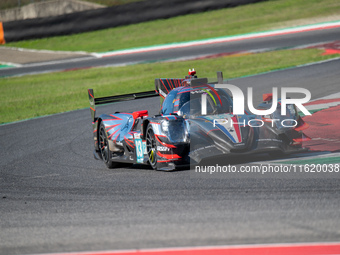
[238,105]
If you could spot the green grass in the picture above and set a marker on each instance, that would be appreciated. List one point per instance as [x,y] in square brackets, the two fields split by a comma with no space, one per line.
[3,66]
[7,4]
[38,95]
[243,19]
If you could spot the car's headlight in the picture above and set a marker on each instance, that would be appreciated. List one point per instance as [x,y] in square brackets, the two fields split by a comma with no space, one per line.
[165,126]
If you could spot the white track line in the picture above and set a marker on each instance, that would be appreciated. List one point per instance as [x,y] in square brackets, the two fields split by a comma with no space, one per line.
[326,25]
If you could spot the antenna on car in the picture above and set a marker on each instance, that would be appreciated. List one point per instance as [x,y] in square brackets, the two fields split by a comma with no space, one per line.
[219,77]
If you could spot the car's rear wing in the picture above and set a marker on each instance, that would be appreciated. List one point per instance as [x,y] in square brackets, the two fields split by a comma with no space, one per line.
[164,85]
[111,99]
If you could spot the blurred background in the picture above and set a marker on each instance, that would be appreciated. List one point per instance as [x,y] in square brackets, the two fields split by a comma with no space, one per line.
[24,9]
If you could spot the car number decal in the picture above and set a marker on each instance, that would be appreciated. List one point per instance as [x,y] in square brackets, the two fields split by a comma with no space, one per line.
[140,150]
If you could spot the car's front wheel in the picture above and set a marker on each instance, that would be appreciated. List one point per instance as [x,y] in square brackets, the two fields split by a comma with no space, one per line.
[151,147]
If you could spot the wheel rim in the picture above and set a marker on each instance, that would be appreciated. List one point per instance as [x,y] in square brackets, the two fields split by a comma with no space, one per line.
[103,145]
[151,147]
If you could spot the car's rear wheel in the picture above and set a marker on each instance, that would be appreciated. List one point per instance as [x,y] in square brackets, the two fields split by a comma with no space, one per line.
[151,147]
[104,147]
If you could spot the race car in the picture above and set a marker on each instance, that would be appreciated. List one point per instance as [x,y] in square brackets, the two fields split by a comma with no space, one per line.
[184,132]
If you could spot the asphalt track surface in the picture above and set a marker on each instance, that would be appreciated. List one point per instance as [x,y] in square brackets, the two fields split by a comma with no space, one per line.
[271,42]
[54,197]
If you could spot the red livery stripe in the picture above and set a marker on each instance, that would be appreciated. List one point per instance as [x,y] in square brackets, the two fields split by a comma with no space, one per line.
[277,249]
[168,156]
[164,144]
[237,128]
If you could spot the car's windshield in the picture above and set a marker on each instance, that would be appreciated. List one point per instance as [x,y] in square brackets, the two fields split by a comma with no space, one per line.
[216,103]
[188,102]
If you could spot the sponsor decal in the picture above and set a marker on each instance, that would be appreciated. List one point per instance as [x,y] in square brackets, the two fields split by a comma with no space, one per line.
[162,148]
[162,93]
[136,135]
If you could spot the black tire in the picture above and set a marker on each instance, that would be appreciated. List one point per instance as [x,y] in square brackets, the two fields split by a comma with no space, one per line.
[104,147]
[151,147]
